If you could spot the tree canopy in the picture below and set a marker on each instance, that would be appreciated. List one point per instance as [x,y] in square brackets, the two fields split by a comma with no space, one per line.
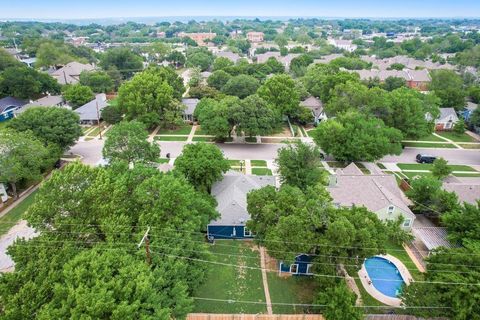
[122,59]
[77,95]
[281,94]
[26,83]
[241,86]
[448,86]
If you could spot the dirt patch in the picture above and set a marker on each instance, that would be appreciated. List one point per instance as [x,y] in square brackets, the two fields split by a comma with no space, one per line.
[284,132]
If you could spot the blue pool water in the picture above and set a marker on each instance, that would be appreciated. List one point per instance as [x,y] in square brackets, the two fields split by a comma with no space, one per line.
[384,275]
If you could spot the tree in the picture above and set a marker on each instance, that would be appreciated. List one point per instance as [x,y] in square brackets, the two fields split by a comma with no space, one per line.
[340,303]
[392,83]
[429,198]
[26,83]
[221,63]
[281,40]
[215,116]
[241,45]
[111,114]
[77,95]
[202,164]
[299,65]
[127,141]
[55,125]
[475,118]
[356,137]
[473,92]
[177,58]
[280,92]
[22,158]
[7,60]
[148,97]
[459,127]
[253,117]
[199,57]
[98,81]
[299,165]
[52,54]
[463,223]
[241,86]
[440,169]
[448,86]
[218,79]
[123,59]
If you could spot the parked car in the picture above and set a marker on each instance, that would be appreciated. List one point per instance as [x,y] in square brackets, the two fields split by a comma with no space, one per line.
[423,158]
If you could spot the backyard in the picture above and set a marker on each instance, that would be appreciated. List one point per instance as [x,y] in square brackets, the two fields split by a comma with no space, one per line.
[12,217]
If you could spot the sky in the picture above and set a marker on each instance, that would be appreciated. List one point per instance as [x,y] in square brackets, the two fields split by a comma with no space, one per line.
[90,9]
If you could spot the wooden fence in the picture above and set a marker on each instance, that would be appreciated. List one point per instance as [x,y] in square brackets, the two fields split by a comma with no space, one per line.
[214,316]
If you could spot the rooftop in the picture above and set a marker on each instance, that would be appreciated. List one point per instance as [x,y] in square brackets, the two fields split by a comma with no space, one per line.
[89,110]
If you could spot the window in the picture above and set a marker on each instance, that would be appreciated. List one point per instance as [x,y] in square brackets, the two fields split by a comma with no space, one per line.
[294,268]
[309,266]
[406,223]
[247,232]
[390,209]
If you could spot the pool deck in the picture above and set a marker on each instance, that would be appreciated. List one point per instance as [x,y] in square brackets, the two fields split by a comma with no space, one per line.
[368,285]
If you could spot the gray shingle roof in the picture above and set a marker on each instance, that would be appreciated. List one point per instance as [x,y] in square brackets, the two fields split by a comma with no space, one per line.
[375,191]
[10,102]
[231,195]
[313,104]
[89,110]
[433,237]
[466,191]
[47,101]
[191,105]
[69,74]
[447,114]
[229,55]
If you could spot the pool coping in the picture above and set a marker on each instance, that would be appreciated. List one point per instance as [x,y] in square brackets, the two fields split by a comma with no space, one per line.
[367,283]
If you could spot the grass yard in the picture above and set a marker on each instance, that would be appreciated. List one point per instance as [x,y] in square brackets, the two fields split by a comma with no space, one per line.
[163,160]
[430,137]
[3,124]
[381,166]
[428,145]
[261,171]
[457,137]
[203,139]
[11,218]
[399,252]
[470,146]
[251,139]
[181,130]
[362,168]
[232,283]
[467,175]
[411,175]
[258,163]
[367,299]
[337,164]
[234,163]
[294,290]
[429,166]
[171,138]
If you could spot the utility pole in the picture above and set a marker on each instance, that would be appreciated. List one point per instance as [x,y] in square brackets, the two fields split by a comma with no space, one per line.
[147,246]
[98,119]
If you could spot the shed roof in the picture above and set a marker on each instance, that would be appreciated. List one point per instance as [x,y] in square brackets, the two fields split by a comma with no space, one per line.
[231,195]
[433,237]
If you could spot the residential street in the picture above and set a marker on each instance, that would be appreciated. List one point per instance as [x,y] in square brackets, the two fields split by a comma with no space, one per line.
[91,151]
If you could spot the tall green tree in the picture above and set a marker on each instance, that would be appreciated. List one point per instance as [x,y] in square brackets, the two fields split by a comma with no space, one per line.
[215,116]
[26,83]
[356,137]
[299,165]
[127,141]
[55,125]
[463,223]
[202,164]
[77,95]
[253,116]
[280,92]
[241,86]
[123,59]
[340,303]
[22,158]
[448,86]
[98,81]
[440,169]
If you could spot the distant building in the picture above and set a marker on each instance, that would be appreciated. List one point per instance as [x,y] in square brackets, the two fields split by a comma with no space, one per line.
[201,38]
[255,36]
[379,193]
[234,57]
[316,106]
[468,110]
[78,41]
[91,112]
[161,34]
[70,73]
[447,119]
[285,60]
[47,101]
[231,195]
[346,45]
[415,79]
[8,105]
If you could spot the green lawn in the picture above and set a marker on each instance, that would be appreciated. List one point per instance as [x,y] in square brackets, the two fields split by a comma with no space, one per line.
[251,139]
[171,138]
[11,218]
[337,164]
[232,283]
[367,299]
[181,130]
[381,166]
[261,171]
[411,175]
[428,145]
[258,163]
[470,146]
[362,168]
[3,124]
[399,252]
[294,290]
[203,139]
[430,137]
[473,174]
[199,131]
[456,137]
[234,163]
[163,160]
[429,166]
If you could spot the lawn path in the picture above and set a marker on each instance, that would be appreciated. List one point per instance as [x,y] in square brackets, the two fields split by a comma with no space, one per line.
[153,134]
[191,134]
[265,282]
[446,139]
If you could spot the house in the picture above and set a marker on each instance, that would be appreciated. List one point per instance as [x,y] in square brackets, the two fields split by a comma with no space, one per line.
[468,192]
[161,34]
[346,45]
[447,119]
[90,113]
[285,60]
[47,101]
[414,79]
[301,266]
[70,73]
[316,106]
[234,57]
[466,113]
[7,107]
[379,193]
[190,105]
[231,195]
[255,37]
[418,79]
[199,37]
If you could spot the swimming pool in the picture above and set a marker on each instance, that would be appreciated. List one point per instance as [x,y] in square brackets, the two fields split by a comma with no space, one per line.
[385,276]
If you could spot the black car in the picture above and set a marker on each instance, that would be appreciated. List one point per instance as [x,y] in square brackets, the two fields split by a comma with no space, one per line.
[424,158]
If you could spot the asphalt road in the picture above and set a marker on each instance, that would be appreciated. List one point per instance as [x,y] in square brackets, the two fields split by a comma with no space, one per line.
[91,151]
